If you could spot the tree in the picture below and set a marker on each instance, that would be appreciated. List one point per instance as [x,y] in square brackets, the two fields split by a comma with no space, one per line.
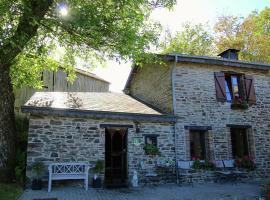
[193,39]
[33,31]
[251,35]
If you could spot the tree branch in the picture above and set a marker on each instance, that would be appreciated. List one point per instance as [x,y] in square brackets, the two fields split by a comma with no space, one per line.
[34,11]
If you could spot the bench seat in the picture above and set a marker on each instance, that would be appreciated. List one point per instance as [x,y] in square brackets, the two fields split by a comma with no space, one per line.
[68,171]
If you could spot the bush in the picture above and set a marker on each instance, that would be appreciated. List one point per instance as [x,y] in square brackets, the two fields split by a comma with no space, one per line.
[206,165]
[21,148]
[38,168]
[246,163]
[10,191]
[99,166]
[151,149]
[197,164]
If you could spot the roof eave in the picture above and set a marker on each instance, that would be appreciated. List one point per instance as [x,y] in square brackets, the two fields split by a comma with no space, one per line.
[224,62]
[63,112]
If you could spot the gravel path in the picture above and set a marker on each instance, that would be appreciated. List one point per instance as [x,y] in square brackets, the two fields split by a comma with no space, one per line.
[207,191]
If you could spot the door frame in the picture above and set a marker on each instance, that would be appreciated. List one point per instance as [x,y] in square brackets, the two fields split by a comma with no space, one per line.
[116,126]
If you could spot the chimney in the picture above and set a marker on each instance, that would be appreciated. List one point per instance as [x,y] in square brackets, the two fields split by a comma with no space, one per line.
[230,54]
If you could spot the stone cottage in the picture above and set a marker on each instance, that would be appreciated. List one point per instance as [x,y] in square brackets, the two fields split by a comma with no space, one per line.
[208,108]
[69,127]
[222,104]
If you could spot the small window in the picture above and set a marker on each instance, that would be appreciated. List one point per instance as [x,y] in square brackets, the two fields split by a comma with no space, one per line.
[151,139]
[198,145]
[239,142]
[234,88]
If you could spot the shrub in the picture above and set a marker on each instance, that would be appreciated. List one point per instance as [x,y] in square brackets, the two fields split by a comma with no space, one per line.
[151,149]
[99,166]
[208,165]
[38,168]
[197,164]
[21,145]
[246,163]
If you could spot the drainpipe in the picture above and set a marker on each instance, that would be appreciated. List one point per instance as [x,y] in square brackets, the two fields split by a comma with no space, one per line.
[174,109]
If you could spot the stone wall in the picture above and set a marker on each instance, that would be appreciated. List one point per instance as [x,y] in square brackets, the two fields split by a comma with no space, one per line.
[58,139]
[153,84]
[196,105]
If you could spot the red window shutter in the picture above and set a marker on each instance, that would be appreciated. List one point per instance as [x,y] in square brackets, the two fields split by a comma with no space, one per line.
[220,86]
[250,91]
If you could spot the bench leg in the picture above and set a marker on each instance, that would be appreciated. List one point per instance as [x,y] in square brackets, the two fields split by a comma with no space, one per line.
[86,183]
[49,185]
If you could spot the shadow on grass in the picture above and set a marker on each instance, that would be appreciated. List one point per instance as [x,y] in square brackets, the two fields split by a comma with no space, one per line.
[10,191]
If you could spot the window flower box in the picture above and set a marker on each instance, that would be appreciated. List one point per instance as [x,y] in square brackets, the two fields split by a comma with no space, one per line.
[239,104]
[151,149]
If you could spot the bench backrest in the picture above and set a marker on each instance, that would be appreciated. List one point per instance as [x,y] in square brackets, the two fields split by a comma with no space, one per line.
[219,164]
[68,168]
[184,164]
[228,163]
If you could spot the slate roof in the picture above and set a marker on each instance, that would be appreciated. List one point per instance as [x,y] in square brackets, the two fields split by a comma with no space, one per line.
[92,104]
[175,57]
[92,75]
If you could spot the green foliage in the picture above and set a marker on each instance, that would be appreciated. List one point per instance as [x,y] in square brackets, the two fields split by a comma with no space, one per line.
[10,191]
[197,164]
[99,166]
[239,104]
[206,165]
[38,169]
[21,143]
[151,149]
[251,35]
[193,39]
[246,163]
[91,32]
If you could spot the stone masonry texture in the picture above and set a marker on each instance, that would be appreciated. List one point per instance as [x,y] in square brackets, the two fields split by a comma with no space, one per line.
[153,84]
[196,105]
[58,139]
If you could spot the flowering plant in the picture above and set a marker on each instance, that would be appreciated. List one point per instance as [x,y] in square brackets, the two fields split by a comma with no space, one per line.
[239,103]
[246,162]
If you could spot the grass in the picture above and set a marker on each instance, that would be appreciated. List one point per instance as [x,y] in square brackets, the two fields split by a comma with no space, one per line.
[10,191]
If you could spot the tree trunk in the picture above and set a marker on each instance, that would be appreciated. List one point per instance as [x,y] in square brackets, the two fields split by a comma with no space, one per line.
[32,13]
[7,123]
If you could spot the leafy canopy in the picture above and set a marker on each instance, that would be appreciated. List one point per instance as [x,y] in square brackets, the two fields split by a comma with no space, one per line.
[91,31]
[251,35]
[193,40]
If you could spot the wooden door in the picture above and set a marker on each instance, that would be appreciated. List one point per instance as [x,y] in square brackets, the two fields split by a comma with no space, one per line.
[116,157]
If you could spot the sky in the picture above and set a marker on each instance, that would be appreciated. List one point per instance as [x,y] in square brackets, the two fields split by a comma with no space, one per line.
[194,11]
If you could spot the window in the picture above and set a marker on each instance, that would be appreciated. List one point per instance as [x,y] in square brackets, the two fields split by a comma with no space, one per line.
[239,140]
[198,145]
[233,85]
[151,139]
[234,88]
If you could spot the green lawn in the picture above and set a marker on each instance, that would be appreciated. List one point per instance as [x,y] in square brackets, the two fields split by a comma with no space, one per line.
[10,191]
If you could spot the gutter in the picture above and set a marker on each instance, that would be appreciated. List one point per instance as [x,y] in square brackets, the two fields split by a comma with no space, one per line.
[67,112]
[174,109]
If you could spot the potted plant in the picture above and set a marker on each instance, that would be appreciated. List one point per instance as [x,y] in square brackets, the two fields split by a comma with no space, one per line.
[266,192]
[98,169]
[239,104]
[38,168]
[151,149]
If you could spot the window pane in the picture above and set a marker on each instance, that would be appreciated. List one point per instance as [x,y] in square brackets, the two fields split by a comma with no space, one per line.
[198,145]
[151,140]
[239,143]
[228,93]
[235,86]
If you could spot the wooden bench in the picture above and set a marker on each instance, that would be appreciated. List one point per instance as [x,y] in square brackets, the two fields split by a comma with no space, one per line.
[67,171]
